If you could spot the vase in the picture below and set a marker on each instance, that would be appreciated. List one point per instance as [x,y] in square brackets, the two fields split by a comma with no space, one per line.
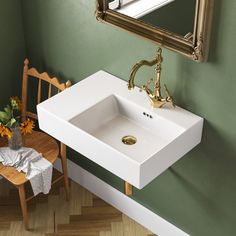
[15,142]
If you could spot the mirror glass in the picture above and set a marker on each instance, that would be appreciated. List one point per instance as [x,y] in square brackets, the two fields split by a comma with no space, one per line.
[182,26]
[176,16]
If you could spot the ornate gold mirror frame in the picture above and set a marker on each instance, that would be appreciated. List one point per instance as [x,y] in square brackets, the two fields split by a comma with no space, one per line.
[195,46]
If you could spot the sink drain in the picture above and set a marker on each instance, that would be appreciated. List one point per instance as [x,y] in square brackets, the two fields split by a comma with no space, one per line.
[129,140]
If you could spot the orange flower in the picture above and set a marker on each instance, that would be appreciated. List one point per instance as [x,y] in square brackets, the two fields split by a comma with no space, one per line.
[5,132]
[27,126]
[15,103]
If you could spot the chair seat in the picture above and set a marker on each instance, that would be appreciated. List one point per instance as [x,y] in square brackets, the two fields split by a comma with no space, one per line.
[39,141]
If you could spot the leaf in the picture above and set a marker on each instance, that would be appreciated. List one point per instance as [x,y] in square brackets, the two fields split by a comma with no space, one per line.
[4,117]
[11,123]
[8,110]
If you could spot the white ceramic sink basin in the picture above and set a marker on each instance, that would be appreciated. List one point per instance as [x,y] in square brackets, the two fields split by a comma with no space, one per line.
[94,116]
[114,117]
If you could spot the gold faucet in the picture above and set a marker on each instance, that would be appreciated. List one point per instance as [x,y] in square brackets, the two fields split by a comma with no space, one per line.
[157,101]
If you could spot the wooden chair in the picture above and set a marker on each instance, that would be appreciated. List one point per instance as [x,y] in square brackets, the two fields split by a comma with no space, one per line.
[40,141]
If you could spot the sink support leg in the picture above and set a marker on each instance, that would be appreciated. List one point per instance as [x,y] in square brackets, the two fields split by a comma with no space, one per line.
[128,189]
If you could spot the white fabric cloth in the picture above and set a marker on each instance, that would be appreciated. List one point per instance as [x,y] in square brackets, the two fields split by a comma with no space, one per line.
[37,169]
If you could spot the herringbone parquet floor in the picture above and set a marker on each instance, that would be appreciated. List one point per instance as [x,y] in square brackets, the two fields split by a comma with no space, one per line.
[52,215]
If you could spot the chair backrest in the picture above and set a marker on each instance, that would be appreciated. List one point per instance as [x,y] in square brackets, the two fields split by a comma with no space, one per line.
[50,81]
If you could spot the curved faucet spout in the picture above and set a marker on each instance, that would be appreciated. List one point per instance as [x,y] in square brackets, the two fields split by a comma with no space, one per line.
[154,95]
[136,68]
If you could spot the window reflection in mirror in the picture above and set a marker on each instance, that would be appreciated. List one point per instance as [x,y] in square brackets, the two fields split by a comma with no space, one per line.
[175,16]
[118,4]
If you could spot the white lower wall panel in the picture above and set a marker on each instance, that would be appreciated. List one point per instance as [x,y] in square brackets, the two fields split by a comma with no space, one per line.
[128,206]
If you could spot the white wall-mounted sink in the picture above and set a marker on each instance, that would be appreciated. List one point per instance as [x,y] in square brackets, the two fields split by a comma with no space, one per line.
[94,115]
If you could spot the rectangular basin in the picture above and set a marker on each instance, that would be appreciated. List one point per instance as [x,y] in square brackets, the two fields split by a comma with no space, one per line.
[95,115]
[115,117]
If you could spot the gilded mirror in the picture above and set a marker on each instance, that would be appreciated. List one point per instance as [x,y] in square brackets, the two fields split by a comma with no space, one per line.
[179,25]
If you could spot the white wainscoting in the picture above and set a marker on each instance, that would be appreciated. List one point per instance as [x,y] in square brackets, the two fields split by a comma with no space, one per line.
[128,206]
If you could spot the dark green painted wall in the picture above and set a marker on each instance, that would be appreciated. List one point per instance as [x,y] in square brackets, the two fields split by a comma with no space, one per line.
[12,49]
[198,194]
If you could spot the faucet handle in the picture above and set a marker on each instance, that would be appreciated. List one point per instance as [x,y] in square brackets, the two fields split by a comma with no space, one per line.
[169,98]
[146,86]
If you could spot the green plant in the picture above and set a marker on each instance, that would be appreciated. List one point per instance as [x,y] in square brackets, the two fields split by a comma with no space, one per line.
[10,118]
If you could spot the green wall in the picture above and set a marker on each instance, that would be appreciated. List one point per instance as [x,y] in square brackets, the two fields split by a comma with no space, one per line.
[12,49]
[198,194]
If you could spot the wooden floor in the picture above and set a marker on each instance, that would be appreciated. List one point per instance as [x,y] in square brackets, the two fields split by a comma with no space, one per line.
[52,215]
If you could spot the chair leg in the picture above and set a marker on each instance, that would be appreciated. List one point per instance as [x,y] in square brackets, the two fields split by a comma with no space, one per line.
[23,203]
[65,170]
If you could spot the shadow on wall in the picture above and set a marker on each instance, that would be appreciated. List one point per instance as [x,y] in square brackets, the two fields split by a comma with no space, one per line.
[42,46]
[186,70]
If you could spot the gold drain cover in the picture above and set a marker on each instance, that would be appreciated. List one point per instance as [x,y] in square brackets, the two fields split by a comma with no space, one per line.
[129,140]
